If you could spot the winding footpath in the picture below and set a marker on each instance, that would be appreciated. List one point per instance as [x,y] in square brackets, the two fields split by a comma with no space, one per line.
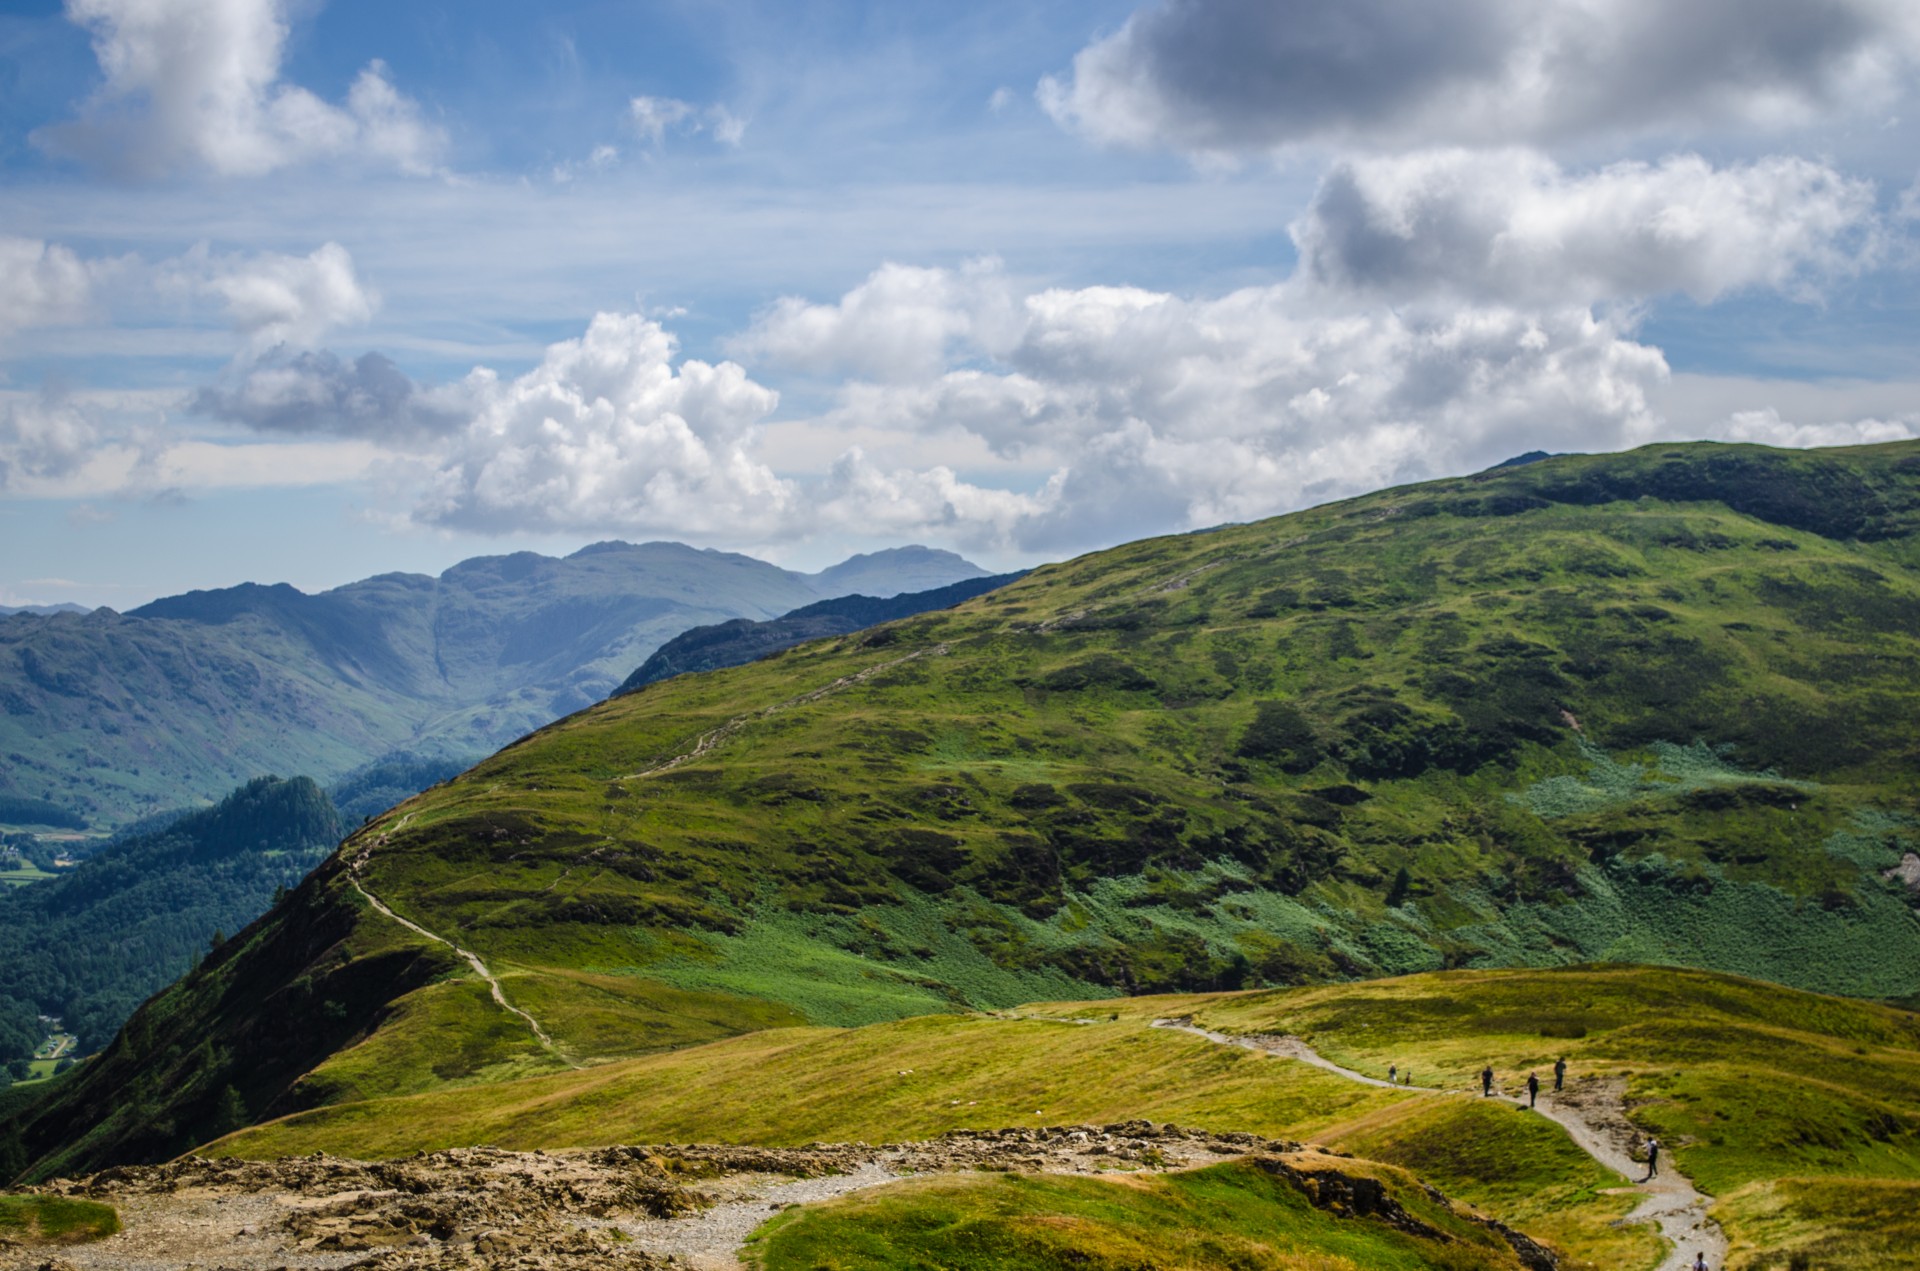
[471,958]
[1671,1203]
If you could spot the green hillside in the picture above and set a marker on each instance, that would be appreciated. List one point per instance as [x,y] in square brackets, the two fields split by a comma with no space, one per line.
[1654,707]
[105,717]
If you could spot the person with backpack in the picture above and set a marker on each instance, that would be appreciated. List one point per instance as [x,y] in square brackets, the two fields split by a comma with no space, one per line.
[1653,1157]
[1486,1081]
[1533,1089]
[1559,1073]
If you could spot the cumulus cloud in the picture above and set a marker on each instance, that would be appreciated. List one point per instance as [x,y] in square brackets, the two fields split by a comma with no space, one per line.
[1516,226]
[1144,411]
[196,84]
[43,284]
[319,392]
[607,432]
[900,323]
[44,438]
[273,298]
[1238,77]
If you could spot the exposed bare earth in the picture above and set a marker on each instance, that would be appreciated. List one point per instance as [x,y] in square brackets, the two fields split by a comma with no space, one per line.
[611,1209]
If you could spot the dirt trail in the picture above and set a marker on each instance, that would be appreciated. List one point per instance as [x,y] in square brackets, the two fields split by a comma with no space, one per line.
[708,740]
[1592,1114]
[479,966]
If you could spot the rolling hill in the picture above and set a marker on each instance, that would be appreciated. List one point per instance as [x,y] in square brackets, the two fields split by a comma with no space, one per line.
[1654,707]
[111,716]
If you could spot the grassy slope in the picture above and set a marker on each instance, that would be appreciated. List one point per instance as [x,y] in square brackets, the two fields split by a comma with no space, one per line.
[1074,784]
[1231,1215]
[1742,1080]
[1334,744]
[1755,1087]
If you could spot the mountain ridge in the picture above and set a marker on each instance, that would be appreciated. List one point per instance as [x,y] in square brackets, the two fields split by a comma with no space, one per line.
[1651,707]
[183,698]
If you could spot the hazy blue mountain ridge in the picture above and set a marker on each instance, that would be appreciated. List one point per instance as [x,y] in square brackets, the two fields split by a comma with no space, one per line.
[112,716]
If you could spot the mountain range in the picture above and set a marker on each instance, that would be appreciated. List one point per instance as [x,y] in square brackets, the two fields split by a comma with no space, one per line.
[107,716]
[1657,707]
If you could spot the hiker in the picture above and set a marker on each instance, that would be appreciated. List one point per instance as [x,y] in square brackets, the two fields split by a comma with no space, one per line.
[1559,1073]
[1406,1078]
[1699,1262]
[1533,1090]
[1653,1157]
[1393,1074]
[1486,1081]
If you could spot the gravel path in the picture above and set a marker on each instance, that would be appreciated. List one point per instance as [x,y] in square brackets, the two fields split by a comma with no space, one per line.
[1595,1120]
[712,1239]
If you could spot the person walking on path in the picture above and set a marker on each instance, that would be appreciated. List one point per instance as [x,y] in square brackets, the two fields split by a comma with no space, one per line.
[1699,1262]
[1486,1081]
[1559,1073]
[1533,1090]
[1653,1157]
[1393,1073]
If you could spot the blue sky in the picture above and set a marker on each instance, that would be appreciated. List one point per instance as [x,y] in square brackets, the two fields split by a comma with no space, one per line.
[309,291]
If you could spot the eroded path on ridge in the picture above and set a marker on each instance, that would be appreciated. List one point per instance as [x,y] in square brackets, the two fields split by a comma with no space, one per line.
[1593,1116]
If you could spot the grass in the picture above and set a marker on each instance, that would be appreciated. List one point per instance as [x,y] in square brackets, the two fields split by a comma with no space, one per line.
[913,1079]
[62,1220]
[1743,1080]
[1746,1082]
[1297,751]
[1829,1223]
[1230,1215]
[21,875]
[1509,1162]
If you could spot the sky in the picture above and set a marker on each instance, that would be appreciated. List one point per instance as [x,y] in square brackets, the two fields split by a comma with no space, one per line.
[310,290]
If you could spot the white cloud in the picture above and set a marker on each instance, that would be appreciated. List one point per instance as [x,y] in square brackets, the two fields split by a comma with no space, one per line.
[655,117]
[273,298]
[1238,77]
[1766,427]
[1143,411]
[44,439]
[608,433]
[44,284]
[1515,226]
[196,84]
[899,323]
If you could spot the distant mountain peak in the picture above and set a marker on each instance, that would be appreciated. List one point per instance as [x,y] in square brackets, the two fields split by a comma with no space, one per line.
[894,571]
